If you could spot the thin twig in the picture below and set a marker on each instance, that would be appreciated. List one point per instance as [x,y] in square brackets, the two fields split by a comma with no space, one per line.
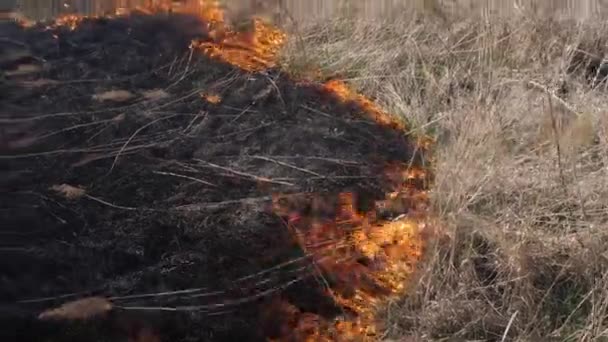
[318,273]
[73,128]
[240,114]
[325,178]
[276,87]
[93,158]
[218,305]
[276,267]
[318,112]
[185,73]
[252,129]
[245,174]
[342,162]
[288,165]
[164,294]
[99,200]
[203,114]
[133,136]
[48,299]
[504,335]
[185,177]
[64,114]
[218,205]
[556,137]
[72,150]
[554,96]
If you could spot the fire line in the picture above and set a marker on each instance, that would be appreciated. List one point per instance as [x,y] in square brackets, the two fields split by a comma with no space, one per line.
[391,247]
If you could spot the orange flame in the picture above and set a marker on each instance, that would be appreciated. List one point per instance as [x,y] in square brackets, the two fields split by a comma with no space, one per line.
[372,110]
[254,49]
[69,20]
[366,257]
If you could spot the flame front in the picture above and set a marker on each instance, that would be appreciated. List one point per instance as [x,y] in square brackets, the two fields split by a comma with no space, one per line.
[254,49]
[366,258]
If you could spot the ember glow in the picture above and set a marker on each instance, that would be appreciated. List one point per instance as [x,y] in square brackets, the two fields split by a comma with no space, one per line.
[71,21]
[364,257]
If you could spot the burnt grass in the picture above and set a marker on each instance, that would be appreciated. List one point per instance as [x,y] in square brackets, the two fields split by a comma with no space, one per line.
[176,188]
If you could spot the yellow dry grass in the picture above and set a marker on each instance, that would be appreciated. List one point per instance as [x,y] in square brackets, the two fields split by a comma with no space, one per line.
[520,159]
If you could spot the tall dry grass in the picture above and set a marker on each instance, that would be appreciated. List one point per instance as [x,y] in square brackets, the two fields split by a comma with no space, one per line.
[520,115]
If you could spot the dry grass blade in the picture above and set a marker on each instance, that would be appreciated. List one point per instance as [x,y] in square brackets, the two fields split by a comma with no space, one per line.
[227,303]
[41,82]
[68,191]
[114,96]
[124,146]
[24,69]
[246,175]
[222,204]
[80,309]
[155,94]
[185,177]
[288,165]
[197,291]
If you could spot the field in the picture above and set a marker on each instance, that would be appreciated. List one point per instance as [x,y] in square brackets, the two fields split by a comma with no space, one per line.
[515,102]
[518,109]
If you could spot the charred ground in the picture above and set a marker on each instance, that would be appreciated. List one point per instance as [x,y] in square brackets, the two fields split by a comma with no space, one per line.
[177,189]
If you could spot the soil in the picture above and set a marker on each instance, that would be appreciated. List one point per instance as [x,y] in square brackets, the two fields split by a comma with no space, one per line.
[177,191]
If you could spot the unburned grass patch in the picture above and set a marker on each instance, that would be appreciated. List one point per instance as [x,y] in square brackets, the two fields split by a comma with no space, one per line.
[518,114]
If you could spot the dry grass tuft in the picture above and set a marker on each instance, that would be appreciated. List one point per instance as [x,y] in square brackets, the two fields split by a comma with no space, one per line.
[517,104]
[80,309]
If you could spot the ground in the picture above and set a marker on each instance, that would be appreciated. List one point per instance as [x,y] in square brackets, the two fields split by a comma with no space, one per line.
[516,104]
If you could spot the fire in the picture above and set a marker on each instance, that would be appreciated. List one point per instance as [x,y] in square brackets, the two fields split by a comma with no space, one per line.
[70,20]
[372,110]
[364,257]
[254,49]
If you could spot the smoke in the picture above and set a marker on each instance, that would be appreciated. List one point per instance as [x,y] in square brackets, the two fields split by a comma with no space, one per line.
[239,11]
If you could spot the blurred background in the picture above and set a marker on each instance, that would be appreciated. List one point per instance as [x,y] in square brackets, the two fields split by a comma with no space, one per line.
[317,9]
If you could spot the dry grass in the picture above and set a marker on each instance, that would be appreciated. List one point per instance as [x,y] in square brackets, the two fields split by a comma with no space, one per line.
[521,188]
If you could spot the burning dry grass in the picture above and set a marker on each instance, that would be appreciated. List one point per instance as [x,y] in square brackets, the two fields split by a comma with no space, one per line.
[205,138]
[518,107]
